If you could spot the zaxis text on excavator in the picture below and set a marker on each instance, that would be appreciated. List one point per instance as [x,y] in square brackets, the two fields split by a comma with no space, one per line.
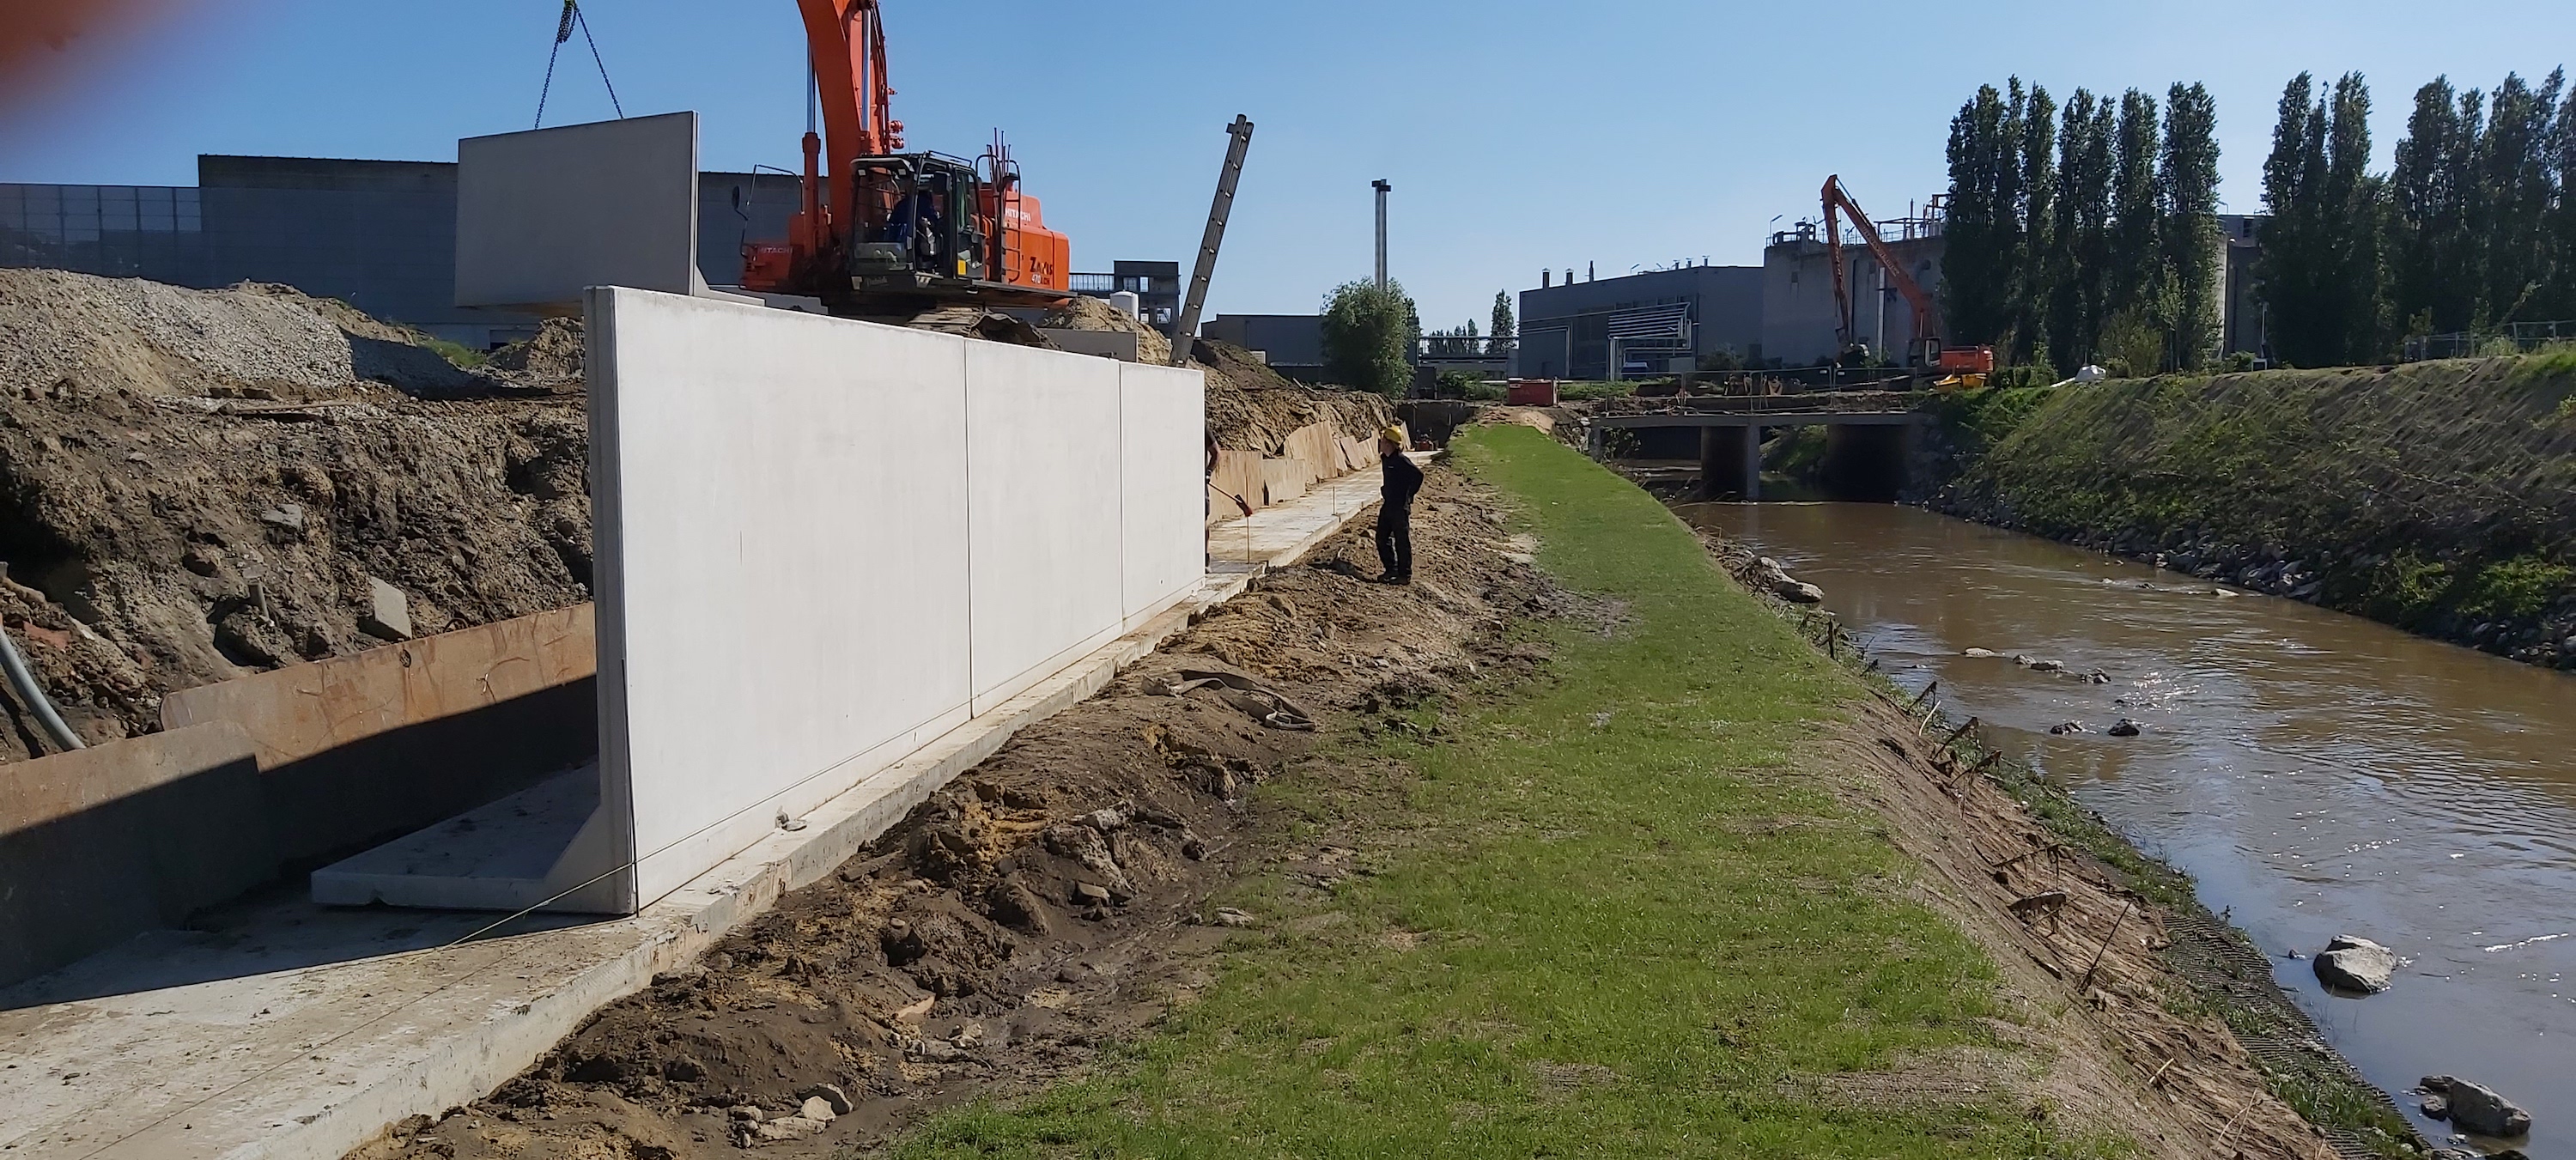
[882,229]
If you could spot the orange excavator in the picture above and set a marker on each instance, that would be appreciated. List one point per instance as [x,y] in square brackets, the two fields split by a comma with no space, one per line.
[1960,366]
[884,229]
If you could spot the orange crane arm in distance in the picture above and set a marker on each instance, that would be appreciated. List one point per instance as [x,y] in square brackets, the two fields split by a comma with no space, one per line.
[1925,326]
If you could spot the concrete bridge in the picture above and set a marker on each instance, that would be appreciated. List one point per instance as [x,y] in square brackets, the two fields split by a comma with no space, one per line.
[1868,434]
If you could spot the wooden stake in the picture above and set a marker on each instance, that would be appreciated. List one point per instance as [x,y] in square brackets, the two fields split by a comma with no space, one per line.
[1956,734]
[2087,980]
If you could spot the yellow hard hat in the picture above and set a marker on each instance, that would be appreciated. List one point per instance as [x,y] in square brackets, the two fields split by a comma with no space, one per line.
[1394,435]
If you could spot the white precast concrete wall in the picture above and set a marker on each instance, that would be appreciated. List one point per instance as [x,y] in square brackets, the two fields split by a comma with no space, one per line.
[822,543]
[1042,449]
[545,213]
[1164,486]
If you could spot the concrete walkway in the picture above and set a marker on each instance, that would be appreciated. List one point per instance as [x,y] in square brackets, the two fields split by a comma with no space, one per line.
[280,1029]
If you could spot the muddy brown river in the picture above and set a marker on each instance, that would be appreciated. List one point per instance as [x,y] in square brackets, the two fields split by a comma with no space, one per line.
[2319,774]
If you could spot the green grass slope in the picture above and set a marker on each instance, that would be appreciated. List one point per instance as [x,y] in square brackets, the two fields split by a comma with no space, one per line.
[1610,913]
[2439,497]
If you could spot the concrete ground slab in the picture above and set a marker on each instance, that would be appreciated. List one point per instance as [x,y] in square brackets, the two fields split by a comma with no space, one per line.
[280,1029]
[1278,536]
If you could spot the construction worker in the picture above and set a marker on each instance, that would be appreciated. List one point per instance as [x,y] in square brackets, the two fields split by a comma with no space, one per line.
[1395,508]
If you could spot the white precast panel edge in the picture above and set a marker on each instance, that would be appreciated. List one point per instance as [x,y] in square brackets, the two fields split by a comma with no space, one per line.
[1043,503]
[543,214]
[1163,485]
[790,602]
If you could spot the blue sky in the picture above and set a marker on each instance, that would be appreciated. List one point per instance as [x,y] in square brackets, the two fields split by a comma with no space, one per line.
[1517,134]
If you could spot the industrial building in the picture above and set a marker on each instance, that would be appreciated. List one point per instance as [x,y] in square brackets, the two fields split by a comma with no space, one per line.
[1641,324]
[379,235]
[1293,344]
[1800,322]
[1783,314]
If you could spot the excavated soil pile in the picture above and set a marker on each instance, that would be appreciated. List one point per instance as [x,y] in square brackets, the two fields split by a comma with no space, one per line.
[1045,904]
[1152,345]
[1251,408]
[199,484]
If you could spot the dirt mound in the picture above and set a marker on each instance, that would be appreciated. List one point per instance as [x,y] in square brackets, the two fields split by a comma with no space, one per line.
[1043,906]
[1251,408]
[198,484]
[1081,313]
[550,362]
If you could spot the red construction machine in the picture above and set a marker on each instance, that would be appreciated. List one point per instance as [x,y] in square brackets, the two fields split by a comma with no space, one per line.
[882,229]
[1965,366]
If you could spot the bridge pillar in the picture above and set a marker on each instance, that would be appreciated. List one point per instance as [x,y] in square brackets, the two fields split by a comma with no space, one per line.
[1730,462]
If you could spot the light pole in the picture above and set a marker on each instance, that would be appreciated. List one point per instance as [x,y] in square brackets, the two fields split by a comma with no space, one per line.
[1382,189]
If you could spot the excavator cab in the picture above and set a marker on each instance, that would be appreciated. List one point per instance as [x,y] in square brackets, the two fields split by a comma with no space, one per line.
[921,230]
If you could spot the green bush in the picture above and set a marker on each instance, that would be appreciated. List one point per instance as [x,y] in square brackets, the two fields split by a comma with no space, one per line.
[2516,588]
[1368,329]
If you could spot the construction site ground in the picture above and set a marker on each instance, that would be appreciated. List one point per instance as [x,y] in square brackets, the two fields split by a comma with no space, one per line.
[297,1030]
[1590,854]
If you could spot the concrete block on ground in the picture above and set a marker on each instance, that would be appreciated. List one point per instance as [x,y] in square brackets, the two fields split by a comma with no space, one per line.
[388,615]
[1116,344]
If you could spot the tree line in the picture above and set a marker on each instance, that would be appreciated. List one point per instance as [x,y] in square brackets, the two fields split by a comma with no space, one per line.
[2472,229]
[2088,232]
[2084,233]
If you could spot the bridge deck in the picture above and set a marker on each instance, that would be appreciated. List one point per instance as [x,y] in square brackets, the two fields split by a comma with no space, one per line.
[1763,419]
[1804,409]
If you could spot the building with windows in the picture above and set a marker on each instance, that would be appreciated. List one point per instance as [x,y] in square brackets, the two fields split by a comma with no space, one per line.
[1293,344]
[1640,325]
[1156,285]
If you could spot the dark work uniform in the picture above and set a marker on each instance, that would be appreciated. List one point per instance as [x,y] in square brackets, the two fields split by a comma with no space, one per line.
[1395,517]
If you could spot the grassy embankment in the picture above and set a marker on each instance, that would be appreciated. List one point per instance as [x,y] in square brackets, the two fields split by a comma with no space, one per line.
[1617,912]
[2439,497]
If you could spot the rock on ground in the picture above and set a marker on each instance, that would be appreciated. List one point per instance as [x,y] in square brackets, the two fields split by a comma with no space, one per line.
[2350,963]
[2476,1107]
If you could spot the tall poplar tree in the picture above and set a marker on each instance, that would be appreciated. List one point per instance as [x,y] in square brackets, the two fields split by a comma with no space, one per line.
[2134,326]
[2439,280]
[2518,187]
[1982,229]
[2293,265]
[2560,297]
[2032,268]
[2353,204]
[2081,234]
[2187,186]
[2136,275]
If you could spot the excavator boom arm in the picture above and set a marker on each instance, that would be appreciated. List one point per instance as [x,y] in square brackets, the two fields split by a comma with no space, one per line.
[1835,198]
[847,43]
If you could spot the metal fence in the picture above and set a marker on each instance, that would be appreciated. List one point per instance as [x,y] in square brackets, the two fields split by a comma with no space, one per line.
[131,231]
[2511,338]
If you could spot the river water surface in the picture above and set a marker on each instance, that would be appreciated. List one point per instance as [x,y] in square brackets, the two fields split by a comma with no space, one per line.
[2319,774]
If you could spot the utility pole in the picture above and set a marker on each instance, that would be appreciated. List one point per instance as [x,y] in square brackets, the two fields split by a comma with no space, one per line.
[1185,332]
[1382,189]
